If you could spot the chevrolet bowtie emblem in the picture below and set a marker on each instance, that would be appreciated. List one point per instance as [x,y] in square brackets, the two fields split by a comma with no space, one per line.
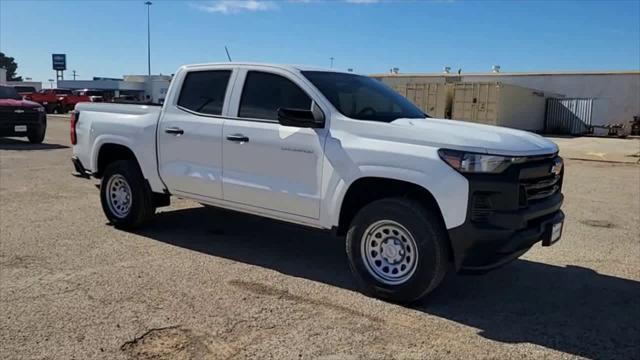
[556,168]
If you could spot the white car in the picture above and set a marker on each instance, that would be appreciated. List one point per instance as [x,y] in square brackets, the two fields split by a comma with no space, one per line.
[414,196]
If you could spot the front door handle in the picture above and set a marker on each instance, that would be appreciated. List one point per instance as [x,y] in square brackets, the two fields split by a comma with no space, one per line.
[238,138]
[174,130]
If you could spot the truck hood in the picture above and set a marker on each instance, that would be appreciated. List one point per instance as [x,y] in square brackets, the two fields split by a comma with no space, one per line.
[467,136]
[18,103]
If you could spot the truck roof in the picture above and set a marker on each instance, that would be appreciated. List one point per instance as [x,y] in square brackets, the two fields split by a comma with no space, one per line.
[289,67]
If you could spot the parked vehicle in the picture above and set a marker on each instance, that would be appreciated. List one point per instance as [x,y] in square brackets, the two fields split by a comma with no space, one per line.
[20,117]
[63,100]
[53,100]
[84,95]
[414,196]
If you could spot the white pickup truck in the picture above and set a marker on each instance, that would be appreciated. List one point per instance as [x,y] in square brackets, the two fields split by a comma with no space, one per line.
[414,196]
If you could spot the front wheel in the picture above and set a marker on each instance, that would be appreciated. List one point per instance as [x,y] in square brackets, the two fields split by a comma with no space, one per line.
[37,137]
[125,197]
[398,249]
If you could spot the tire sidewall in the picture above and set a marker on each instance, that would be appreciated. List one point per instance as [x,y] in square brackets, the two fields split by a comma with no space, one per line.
[37,136]
[431,255]
[134,178]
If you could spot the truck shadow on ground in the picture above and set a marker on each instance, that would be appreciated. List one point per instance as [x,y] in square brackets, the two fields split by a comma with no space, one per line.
[570,309]
[17,144]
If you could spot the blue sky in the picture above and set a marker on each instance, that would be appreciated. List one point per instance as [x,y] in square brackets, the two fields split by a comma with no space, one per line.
[108,38]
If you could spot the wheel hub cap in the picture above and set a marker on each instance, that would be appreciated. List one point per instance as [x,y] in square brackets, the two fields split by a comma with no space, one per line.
[118,195]
[392,250]
[389,252]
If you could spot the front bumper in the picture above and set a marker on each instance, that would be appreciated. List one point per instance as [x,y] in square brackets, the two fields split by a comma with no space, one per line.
[505,218]
[34,121]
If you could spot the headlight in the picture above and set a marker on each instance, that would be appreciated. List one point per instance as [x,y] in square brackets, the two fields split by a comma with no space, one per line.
[40,109]
[466,162]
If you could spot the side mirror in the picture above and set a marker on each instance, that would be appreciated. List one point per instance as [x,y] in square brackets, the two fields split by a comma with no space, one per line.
[301,118]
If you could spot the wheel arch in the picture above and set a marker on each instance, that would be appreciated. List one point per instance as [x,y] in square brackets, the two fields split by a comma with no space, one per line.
[367,189]
[108,152]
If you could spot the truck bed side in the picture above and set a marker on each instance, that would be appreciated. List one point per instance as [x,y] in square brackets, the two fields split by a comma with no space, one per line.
[131,126]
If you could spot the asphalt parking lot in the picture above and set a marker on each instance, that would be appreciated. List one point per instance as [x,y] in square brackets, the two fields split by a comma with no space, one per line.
[199,283]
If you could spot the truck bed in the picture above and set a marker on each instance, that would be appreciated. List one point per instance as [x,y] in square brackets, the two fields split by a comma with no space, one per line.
[133,126]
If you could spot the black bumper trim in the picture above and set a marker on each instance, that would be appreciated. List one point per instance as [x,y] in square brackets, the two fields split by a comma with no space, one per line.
[482,250]
[502,222]
[80,170]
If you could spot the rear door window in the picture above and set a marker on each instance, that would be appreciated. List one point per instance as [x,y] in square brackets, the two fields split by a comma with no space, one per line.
[204,91]
[264,93]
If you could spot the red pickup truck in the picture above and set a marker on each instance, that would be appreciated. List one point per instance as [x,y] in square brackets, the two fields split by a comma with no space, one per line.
[61,100]
[53,100]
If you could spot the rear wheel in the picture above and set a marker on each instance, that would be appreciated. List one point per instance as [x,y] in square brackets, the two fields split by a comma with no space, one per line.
[125,197]
[50,108]
[398,249]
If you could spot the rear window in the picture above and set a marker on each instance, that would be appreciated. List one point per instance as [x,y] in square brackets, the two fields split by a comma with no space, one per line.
[204,91]
[265,93]
[25,89]
[9,93]
[62,92]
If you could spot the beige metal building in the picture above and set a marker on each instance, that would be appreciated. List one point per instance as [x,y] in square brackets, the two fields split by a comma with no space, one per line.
[499,104]
[615,94]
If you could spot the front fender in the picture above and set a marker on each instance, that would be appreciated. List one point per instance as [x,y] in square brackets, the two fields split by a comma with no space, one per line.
[449,189]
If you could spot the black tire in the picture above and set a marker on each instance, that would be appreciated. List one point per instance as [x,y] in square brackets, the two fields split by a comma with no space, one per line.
[431,240]
[37,136]
[50,108]
[59,109]
[141,208]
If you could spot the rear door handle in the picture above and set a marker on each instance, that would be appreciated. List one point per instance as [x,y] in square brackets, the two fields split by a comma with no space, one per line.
[238,138]
[174,130]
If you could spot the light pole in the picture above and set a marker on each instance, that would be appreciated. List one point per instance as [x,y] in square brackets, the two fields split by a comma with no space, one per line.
[148,3]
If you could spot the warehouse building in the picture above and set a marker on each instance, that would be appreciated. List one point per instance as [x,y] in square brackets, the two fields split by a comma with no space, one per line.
[20,85]
[556,102]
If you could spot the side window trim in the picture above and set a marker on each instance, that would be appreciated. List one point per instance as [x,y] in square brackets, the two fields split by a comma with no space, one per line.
[243,81]
[227,95]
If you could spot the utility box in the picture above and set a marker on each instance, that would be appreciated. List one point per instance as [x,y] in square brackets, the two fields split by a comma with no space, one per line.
[499,104]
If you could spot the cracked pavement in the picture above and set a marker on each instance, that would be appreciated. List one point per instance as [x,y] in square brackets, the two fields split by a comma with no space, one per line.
[200,283]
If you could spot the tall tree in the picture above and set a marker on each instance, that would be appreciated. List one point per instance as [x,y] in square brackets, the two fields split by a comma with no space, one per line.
[11,66]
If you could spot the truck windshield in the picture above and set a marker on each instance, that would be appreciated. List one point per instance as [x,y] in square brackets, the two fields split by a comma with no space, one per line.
[9,93]
[363,98]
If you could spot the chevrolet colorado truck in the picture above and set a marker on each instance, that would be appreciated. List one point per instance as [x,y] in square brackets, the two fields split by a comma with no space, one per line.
[413,196]
[20,117]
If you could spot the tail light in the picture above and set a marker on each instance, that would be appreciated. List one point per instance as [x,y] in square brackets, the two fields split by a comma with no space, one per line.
[75,117]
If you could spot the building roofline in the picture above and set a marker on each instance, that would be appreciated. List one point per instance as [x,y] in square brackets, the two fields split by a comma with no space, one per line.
[604,72]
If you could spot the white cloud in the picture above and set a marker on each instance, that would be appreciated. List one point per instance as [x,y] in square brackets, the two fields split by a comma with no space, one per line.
[235,6]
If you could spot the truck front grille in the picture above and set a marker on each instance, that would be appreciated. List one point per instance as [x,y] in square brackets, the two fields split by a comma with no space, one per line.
[9,114]
[541,188]
[538,182]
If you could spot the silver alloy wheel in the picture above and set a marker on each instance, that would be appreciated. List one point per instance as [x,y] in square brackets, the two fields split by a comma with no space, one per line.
[389,252]
[118,194]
